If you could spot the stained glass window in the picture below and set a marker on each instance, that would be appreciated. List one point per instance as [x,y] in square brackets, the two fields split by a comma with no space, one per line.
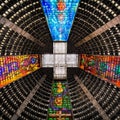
[60,106]
[60,15]
[15,67]
[104,67]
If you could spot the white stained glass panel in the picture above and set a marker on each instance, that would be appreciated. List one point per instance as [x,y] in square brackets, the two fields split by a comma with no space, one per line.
[72,60]
[60,59]
[47,60]
[60,72]
[59,47]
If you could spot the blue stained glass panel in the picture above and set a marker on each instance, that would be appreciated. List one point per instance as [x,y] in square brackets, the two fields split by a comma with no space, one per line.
[60,15]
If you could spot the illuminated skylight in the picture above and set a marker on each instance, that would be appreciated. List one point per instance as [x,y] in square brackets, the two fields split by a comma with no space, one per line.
[59,60]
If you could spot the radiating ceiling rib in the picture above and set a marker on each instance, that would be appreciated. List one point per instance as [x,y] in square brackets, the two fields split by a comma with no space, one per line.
[20,31]
[28,98]
[92,99]
[100,30]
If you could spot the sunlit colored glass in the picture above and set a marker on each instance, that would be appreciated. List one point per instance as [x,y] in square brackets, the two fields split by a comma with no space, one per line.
[60,15]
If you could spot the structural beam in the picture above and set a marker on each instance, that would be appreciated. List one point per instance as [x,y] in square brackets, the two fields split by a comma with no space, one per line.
[100,30]
[28,99]
[19,30]
[92,100]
